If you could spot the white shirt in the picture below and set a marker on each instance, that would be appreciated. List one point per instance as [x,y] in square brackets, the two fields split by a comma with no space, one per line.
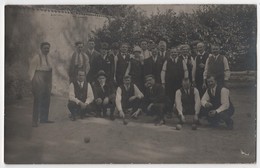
[178,103]
[165,67]
[90,95]
[226,67]
[137,93]
[224,99]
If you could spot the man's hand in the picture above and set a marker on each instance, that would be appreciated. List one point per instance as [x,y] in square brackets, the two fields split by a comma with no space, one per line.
[149,107]
[132,98]
[212,113]
[201,65]
[106,101]
[163,85]
[204,86]
[83,105]
[208,105]
[98,101]
[122,114]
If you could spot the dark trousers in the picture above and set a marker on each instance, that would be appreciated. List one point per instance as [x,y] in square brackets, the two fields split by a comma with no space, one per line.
[101,107]
[41,87]
[75,109]
[157,110]
[135,104]
[171,86]
[224,115]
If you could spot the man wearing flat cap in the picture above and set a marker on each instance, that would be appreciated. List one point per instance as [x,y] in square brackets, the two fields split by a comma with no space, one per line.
[104,62]
[104,96]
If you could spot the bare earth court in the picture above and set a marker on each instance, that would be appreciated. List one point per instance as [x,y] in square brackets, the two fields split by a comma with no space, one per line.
[138,142]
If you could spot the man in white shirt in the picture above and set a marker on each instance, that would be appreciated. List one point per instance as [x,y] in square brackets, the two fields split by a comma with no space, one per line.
[187,101]
[216,104]
[128,96]
[80,96]
[145,53]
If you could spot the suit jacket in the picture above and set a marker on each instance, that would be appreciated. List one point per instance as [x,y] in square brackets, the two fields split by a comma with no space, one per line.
[154,95]
[122,65]
[107,91]
[92,56]
[154,68]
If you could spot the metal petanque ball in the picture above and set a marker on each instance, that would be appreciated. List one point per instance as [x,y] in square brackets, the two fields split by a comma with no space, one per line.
[87,139]
[178,127]
[194,127]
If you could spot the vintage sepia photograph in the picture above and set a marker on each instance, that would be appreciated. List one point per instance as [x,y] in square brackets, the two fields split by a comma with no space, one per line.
[130,84]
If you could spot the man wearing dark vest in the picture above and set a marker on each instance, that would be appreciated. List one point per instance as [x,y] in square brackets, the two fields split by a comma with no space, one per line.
[163,53]
[216,104]
[91,53]
[78,61]
[128,98]
[153,102]
[104,95]
[173,71]
[185,54]
[114,54]
[104,62]
[187,101]
[217,65]
[123,64]
[80,96]
[198,68]
[153,65]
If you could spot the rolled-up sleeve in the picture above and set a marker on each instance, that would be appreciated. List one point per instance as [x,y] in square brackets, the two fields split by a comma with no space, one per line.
[118,99]
[90,95]
[163,72]
[197,101]
[138,93]
[32,67]
[224,100]
[72,94]
[226,69]
[186,73]
[205,99]
[178,103]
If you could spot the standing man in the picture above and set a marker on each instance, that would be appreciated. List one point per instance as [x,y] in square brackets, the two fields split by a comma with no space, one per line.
[153,65]
[40,73]
[216,104]
[173,71]
[80,96]
[114,53]
[145,52]
[216,65]
[123,66]
[187,101]
[78,61]
[128,96]
[153,103]
[198,68]
[104,62]
[92,53]
[186,56]
[163,50]
[104,94]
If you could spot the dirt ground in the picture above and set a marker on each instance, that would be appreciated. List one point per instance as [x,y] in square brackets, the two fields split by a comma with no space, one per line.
[138,142]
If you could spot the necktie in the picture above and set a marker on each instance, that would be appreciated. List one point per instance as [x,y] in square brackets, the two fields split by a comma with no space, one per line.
[212,92]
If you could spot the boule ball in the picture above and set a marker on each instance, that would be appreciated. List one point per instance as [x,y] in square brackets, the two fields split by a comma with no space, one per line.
[178,127]
[87,139]
[125,122]
[194,127]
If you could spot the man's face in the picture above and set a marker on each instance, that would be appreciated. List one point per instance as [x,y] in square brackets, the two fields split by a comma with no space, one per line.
[137,55]
[127,81]
[45,49]
[144,45]
[150,82]
[103,51]
[81,76]
[174,53]
[215,50]
[101,79]
[186,84]
[211,82]
[200,48]
[91,45]
[79,47]
[185,50]
[154,52]
[124,48]
[162,46]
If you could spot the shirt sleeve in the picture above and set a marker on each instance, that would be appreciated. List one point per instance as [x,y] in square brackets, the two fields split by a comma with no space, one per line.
[87,63]
[32,67]
[138,93]
[194,69]
[118,99]
[163,72]
[72,94]
[186,73]
[205,73]
[224,100]
[178,103]
[90,96]
[226,69]
[205,99]
[197,101]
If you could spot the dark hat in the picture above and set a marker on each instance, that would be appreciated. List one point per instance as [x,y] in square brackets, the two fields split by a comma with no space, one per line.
[101,73]
[115,45]
[148,76]
[104,45]
[127,77]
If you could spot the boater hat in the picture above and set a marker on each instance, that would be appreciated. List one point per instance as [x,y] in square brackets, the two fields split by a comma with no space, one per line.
[101,73]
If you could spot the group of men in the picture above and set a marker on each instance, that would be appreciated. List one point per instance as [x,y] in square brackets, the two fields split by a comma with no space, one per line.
[150,79]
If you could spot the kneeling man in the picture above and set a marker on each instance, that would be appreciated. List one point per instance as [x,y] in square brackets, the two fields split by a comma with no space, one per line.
[128,96]
[187,101]
[80,96]
[216,104]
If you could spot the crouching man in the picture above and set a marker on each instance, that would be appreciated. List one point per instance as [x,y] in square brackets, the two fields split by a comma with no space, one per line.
[187,101]
[80,96]
[216,104]
[154,98]
[104,94]
[128,96]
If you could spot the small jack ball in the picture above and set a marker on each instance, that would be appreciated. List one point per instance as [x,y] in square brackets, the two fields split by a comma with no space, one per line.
[178,127]
[87,139]
[194,126]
